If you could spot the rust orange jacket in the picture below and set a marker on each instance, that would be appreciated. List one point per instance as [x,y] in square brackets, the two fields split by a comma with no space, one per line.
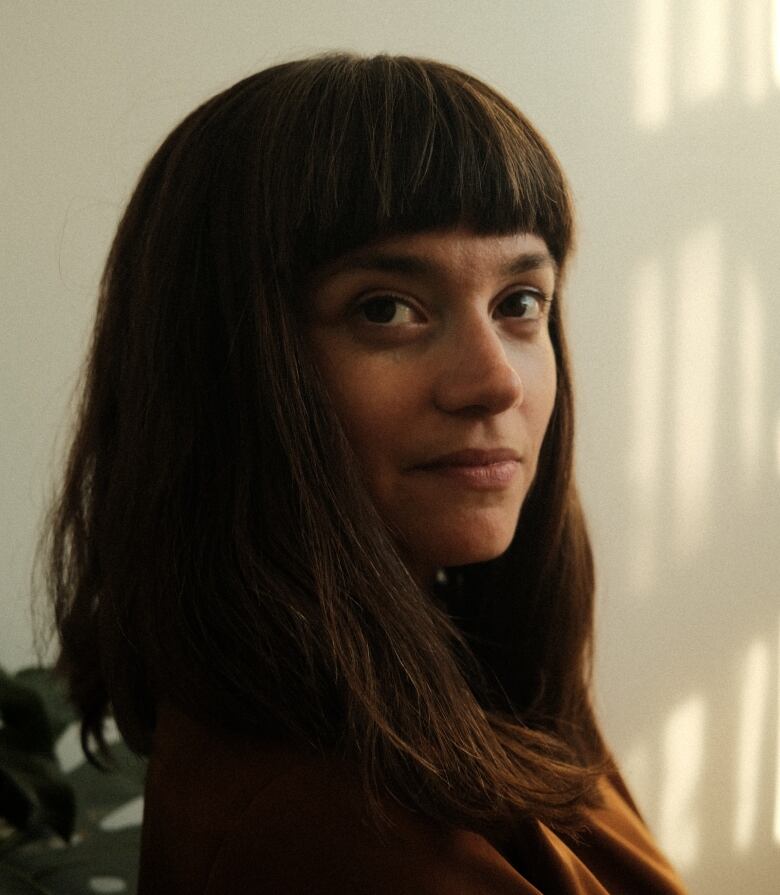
[223,816]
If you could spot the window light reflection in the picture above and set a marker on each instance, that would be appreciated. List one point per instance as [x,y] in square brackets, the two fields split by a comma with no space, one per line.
[683,757]
[776,43]
[777,444]
[755,32]
[695,376]
[646,389]
[776,824]
[637,769]
[647,366]
[754,704]
[751,365]
[704,69]
[652,63]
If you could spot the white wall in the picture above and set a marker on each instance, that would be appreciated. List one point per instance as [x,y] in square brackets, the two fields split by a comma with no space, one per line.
[667,118]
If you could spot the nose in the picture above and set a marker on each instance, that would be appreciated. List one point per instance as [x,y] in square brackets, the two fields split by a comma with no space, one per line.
[476,375]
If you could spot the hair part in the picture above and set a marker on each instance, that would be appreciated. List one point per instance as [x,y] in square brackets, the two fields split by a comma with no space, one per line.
[213,543]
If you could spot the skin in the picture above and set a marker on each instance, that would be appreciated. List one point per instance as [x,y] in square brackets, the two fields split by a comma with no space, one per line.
[433,343]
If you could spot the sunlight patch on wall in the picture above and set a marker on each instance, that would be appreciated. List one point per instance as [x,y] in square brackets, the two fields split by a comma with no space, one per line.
[648,305]
[777,444]
[696,315]
[751,366]
[776,823]
[704,63]
[753,712]
[776,43]
[652,71]
[755,33]
[690,50]
[636,768]
[683,758]
[646,389]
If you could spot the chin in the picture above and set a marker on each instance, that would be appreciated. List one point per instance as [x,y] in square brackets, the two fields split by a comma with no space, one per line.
[466,551]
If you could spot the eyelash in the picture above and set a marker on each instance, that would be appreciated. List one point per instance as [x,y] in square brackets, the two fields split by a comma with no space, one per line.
[539,297]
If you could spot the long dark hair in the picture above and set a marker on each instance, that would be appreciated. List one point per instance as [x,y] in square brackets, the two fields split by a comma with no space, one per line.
[213,544]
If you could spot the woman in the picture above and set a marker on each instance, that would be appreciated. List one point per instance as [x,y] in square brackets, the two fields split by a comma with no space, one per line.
[319,547]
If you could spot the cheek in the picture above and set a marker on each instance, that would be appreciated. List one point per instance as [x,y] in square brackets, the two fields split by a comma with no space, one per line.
[538,373]
[372,402]
[366,420]
[548,393]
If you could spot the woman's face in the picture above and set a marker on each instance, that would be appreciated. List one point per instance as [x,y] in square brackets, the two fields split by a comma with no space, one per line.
[436,352]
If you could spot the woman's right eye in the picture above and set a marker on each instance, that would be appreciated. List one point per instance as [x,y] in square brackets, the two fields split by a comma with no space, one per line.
[384,309]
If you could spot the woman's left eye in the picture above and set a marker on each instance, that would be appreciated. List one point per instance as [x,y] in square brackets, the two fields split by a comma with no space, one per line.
[526,304]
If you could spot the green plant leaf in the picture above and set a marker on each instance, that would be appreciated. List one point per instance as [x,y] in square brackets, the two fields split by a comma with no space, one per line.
[33,790]
[26,725]
[101,849]
[51,690]
[37,786]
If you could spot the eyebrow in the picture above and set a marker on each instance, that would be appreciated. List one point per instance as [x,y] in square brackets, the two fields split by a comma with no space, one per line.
[389,262]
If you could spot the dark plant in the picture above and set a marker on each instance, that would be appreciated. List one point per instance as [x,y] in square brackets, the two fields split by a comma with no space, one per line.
[61,833]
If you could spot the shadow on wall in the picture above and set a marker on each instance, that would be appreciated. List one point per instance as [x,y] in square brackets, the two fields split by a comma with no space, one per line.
[687,433]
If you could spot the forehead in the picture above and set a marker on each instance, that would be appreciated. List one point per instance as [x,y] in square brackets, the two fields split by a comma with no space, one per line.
[439,252]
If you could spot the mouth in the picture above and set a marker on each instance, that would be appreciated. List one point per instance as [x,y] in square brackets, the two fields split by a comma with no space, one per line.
[482,469]
[472,457]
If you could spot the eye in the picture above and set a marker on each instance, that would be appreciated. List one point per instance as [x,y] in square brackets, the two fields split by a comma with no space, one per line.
[526,304]
[385,309]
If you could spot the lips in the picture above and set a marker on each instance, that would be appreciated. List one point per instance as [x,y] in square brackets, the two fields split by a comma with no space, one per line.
[472,457]
[476,469]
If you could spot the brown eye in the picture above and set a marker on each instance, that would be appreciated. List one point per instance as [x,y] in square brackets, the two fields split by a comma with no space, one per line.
[385,309]
[524,303]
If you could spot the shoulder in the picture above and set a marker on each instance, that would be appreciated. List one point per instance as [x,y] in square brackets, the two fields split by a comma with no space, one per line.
[308,831]
[226,815]
[229,816]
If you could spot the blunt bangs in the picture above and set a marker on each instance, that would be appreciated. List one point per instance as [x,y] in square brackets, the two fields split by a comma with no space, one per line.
[390,145]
